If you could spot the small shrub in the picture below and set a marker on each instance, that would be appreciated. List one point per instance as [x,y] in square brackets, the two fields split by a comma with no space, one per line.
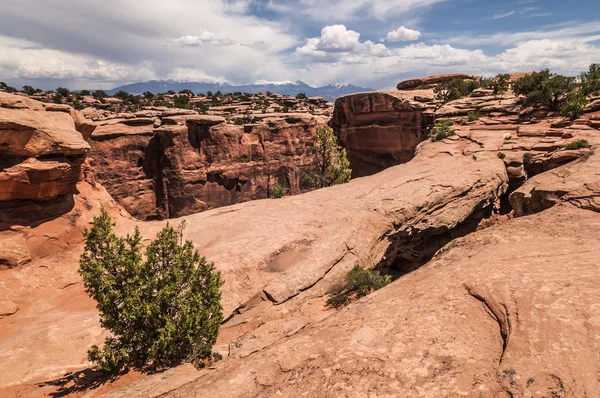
[162,309]
[472,116]
[279,191]
[337,300]
[359,282]
[501,155]
[301,96]
[574,104]
[577,144]
[441,129]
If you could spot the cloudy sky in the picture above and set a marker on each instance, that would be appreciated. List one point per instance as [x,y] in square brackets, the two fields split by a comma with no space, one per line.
[374,43]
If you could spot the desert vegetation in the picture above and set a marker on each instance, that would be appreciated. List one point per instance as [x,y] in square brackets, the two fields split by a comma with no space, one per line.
[330,163]
[442,128]
[162,308]
[358,283]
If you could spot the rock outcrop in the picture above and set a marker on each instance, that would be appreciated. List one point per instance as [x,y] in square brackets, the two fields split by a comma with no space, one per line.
[379,129]
[508,311]
[432,81]
[194,162]
[42,149]
[577,183]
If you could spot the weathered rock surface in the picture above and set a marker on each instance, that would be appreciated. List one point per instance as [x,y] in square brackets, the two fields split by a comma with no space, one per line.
[577,183]
[42,149]
[379,129]
[198,162]
[494,314]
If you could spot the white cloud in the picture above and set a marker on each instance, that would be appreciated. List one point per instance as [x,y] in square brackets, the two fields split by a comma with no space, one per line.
[561,31]
[501,16]
[194,75]
[338,44]
[403,34]
[337,38]
[328,10]
[205,37]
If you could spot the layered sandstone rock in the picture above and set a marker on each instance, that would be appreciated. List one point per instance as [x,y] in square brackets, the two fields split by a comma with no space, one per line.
[577,183]
[379,129]
[197,162]
[42,149]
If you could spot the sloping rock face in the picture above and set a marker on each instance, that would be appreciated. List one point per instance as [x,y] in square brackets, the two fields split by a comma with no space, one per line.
[494,314]
[42,149]
[379,129]
[194,162]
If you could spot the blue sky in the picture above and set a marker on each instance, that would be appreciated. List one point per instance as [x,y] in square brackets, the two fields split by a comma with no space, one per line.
[375,43]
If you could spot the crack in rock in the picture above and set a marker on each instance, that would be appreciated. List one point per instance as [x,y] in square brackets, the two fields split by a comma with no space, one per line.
[498,312]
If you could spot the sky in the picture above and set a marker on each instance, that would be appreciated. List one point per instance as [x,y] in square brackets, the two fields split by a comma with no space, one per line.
[101,44]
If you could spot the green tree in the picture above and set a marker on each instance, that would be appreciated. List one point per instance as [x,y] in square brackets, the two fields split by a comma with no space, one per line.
[544,89]
[148,95]
[301,96]
[121,94]
[574,105]
[181,101]
[162,309]
[590,80]
[330,164]
[99,94]
[28,90]
[456,89]
[64,92]
[187,92]
[501,83]
[442,128]
[84,92]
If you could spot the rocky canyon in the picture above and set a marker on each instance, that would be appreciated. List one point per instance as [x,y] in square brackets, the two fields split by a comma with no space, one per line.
[490,232]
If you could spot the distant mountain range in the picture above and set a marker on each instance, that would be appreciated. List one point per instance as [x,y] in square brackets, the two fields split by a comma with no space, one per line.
[329,92]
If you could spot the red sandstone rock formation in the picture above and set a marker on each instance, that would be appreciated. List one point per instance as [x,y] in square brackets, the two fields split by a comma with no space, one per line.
[432,81]
[379,129]
[197,162]
[507,310]
[42,151]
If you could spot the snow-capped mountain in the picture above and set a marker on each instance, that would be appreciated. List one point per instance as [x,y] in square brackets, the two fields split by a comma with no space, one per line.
[329,92]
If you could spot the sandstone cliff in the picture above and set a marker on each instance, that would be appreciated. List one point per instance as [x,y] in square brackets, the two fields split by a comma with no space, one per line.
[194,162]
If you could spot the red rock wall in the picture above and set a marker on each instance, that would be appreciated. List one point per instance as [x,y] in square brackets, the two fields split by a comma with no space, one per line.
[179,170]
[378,130]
